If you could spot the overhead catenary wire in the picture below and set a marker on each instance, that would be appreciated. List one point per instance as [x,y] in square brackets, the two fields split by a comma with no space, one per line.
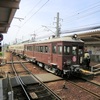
[33,8]
[89,25]
[35,12]
[82,29]
[80,17]
[85,13]
[84,10]
[71,20]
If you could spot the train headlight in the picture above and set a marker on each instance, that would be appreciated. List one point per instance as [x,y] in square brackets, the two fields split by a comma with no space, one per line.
[75,36]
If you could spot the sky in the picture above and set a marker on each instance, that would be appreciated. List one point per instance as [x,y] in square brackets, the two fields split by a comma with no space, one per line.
[39,17]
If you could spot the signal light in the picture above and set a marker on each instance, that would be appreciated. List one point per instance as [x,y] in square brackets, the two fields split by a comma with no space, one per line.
[0,47]
[1,37]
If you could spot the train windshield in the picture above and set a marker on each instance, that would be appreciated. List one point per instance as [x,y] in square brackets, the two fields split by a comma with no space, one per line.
[74,50]
[67,50]
[80,50]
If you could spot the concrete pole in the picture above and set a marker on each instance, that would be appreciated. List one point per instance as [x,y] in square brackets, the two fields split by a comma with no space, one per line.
[57,26]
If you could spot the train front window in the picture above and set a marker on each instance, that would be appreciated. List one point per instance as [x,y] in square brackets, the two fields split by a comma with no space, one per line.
[67,50]
[80,51]
[74,50]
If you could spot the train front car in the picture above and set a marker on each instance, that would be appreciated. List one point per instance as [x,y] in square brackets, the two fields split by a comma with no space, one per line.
[65,56]
[73,55]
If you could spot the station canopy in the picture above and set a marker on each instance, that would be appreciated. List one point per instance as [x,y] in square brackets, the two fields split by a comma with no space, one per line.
[92,37]
[7,12]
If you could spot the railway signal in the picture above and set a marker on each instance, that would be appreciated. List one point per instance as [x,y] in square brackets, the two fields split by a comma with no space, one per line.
[0,47]
[1,37]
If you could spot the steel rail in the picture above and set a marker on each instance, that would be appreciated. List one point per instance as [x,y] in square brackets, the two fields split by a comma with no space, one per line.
[19,80]
[91,81]
[40,82]
[94,94]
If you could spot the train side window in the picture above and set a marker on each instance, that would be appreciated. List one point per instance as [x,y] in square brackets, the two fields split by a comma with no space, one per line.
[54,49]
[67,50]
[36,48]
[59,49]
[46,49]
[41,48]
[33,48]
[29,48]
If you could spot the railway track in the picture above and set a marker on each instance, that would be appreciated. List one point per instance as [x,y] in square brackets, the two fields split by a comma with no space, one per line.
[32,90]
[38,90]
[91,92]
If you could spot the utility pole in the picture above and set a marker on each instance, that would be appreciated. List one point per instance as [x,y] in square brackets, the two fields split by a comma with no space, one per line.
[57,25]
[33,36]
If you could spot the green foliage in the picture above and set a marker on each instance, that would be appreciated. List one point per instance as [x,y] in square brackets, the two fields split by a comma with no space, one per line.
[1,53]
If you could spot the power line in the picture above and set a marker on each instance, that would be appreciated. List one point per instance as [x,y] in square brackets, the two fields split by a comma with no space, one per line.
[79,12]
[80,15]
[33,8]
[86,15]
[36,12]
[86,25]
[82,29]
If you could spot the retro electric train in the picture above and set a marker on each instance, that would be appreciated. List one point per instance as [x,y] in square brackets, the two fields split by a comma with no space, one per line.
[62,56]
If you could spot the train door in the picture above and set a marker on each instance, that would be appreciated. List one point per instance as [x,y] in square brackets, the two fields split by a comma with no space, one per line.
[80,53]
[67,52]
[54,53]
[75,54]
[59,55]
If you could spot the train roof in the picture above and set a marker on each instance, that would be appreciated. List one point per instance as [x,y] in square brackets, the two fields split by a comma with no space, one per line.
[66,39]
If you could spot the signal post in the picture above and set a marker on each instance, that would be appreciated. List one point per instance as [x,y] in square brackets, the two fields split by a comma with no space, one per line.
[2,59]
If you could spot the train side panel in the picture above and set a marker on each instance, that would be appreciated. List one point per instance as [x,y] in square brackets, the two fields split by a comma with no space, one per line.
[42,53]
[57,54]
[29,52]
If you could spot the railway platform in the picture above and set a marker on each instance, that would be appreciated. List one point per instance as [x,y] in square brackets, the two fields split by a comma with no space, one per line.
[29,79]
[48,77]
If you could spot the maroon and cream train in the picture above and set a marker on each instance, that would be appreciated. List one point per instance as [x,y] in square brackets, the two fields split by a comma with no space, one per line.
[62,55]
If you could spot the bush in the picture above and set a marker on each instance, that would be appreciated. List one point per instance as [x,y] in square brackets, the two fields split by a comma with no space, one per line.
[1,53]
